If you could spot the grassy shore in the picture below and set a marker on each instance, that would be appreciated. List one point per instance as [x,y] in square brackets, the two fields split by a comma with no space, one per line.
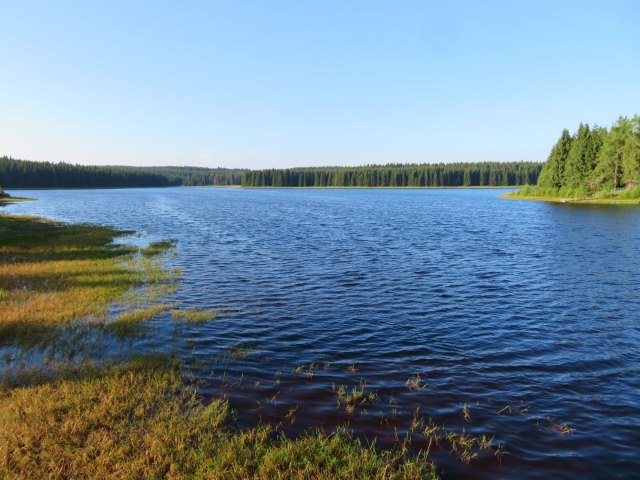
[612,200]
[6,200]
[366,188]
[137,419]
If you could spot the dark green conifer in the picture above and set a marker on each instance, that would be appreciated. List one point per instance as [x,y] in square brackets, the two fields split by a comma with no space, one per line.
[552,174]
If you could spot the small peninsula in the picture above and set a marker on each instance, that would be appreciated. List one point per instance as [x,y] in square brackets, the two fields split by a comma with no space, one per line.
[6,198]
[594,165]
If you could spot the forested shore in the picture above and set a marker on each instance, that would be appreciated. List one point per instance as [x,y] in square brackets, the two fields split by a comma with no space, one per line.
[29,174]
[592,163]
[16,173]
[483,174]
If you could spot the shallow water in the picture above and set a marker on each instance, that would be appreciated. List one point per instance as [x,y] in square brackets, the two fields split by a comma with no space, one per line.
[494,303]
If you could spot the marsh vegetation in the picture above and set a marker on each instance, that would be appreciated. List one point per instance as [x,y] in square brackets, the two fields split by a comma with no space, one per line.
[137,418]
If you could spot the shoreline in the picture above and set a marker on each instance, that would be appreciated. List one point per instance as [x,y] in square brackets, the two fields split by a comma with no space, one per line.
[329,187]
[134,416]
[369,188]
[578,201]
[6,200]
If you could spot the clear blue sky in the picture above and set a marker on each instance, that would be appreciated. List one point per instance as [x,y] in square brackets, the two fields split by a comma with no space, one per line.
[318,82]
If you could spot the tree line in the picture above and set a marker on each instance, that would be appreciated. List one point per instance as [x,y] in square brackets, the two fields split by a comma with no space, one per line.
[593,159]
[483,174]
[29,174]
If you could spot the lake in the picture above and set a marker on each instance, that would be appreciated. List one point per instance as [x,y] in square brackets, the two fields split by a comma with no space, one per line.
[525,313]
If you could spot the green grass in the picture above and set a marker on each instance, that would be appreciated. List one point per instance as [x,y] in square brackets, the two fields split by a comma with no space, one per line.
[139,420]
[625,197]
[585,201]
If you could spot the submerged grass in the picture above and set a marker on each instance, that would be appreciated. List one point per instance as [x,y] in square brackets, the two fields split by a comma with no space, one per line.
[138,420]
[157,248]
[130,322]
[357,397]
[194,315]
[416,383]
[465,446]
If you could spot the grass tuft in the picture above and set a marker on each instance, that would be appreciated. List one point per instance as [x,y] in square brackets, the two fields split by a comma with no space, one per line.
[357,397]
[194,315]
[416,383]
[157,248]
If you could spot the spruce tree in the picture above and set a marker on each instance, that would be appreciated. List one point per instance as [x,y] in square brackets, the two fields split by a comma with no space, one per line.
[576,168]
[631,152]
[552,174]
[608,172]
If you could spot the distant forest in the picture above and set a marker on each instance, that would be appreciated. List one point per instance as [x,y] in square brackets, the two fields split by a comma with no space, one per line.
[484,174]
[593,159]
[28,174]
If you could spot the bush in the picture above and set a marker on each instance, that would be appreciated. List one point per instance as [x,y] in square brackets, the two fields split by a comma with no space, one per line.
[631,193]
[526,191]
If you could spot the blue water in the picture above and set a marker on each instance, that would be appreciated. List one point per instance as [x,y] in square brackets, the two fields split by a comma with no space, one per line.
[524,308]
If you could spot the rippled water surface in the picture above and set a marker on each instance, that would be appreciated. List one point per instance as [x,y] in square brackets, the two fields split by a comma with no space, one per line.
[527,309]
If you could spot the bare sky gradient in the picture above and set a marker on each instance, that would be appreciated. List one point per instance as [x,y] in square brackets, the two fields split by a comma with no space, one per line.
[298,83]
